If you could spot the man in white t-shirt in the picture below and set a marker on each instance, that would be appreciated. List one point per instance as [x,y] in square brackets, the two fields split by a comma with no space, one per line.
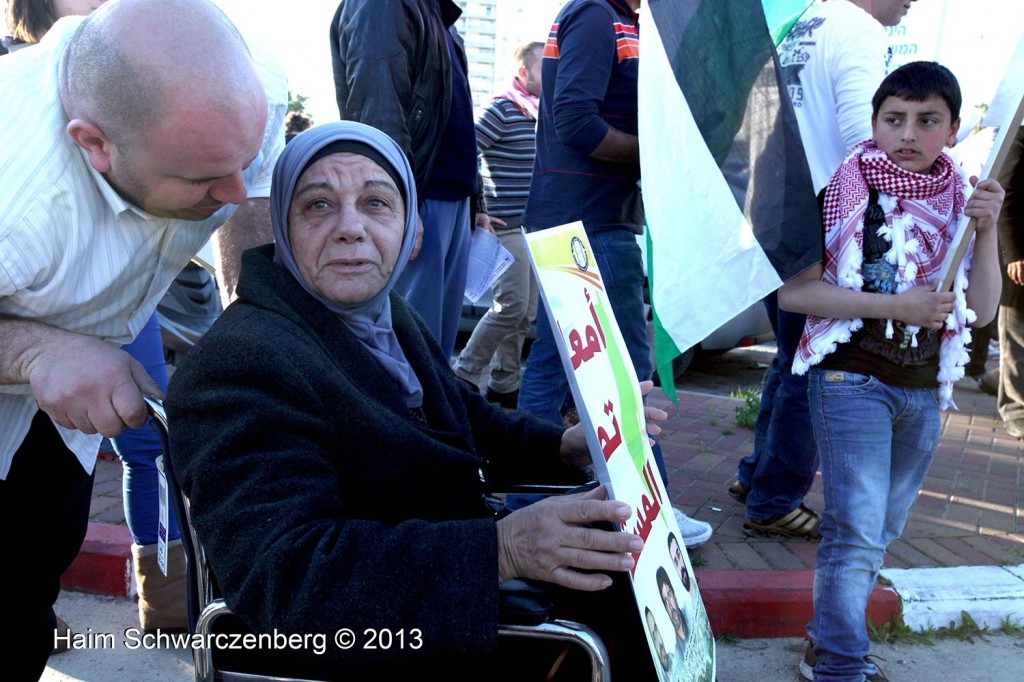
[833,60]
[130,136]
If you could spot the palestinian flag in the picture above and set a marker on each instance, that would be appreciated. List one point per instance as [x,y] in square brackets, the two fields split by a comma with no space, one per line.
[729,204]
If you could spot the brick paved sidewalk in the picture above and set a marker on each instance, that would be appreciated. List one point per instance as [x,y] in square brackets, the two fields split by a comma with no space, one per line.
[969,512]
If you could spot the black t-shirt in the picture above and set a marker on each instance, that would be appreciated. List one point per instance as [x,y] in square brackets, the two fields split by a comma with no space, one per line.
[894,361]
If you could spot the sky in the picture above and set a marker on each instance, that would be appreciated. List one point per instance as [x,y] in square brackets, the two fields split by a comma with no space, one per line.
[300,38]
[974,38]
[297,30]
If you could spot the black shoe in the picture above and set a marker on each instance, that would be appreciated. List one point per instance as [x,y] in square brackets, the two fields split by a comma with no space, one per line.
[571,417]
[1015,427]
[506,400]
[739,492]
[469,384]
[810,660]
[989,382]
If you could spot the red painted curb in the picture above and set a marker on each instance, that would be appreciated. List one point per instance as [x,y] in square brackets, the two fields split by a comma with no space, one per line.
[104,564]
[742,603]
[773,603]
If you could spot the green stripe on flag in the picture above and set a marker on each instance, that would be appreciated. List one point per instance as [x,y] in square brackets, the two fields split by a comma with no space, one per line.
[665,349]
[730,207]
[782,14]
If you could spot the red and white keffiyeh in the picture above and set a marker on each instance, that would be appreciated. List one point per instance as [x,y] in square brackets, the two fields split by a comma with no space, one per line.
[922,213]
[526,102]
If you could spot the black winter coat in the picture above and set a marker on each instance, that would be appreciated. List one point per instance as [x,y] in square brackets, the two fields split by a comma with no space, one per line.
[393,71]
[321,502]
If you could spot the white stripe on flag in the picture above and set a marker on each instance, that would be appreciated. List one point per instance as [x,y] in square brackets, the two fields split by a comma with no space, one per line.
[1008,93]
[707,265]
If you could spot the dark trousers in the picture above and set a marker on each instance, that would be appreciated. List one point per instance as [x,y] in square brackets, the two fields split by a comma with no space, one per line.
[978,347]
[44,514]
[781,469]
[1011,352]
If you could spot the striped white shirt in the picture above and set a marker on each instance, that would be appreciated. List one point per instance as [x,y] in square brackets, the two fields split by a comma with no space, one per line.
[73,253]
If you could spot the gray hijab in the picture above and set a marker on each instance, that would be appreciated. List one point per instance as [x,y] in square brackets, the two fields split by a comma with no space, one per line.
[370,320]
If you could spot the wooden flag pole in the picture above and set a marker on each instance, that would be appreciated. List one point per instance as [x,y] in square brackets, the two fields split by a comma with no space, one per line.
[993,168]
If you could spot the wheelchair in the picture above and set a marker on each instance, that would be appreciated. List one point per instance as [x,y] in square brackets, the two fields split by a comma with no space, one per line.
[525,612]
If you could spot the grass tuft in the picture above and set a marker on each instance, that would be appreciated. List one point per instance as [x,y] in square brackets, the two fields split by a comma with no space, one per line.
[746,414]
[727,638]
[967,630]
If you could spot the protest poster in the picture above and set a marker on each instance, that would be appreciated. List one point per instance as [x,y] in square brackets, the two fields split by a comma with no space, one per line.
[607,396]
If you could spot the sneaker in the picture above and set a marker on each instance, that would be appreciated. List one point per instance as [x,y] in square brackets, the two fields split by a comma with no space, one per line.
[695,533]
[807,664]
[811,659]
[802,522]
[1015,427]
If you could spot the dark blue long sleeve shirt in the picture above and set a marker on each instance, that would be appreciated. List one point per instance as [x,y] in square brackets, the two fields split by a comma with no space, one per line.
[590,71]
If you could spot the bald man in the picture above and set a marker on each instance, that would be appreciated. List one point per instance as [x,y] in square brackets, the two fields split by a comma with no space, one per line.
[134,135]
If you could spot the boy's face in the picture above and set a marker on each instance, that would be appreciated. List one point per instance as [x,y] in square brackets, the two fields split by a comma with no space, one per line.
[913,134]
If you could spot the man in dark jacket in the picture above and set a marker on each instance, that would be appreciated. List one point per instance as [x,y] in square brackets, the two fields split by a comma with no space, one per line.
[399,65]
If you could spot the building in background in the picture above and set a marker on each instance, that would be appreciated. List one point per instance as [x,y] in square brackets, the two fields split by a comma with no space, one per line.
[478,26]
[491,33]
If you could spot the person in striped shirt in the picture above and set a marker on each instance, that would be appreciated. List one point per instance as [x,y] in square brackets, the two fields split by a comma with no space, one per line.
[135,134]
[506,133]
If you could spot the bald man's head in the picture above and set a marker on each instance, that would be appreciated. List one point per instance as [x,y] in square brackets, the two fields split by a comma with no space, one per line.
[163,96]
[133,61]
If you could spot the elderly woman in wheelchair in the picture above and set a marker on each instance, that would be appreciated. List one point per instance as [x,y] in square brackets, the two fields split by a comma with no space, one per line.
[341,478]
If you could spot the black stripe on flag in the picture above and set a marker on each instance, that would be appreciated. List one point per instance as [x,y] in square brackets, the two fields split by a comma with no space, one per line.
[726,66]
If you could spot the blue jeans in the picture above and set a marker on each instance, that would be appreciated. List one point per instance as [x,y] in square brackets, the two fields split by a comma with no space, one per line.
[139,448]
[435,282]
[544,386]
[780,470]
[875,442]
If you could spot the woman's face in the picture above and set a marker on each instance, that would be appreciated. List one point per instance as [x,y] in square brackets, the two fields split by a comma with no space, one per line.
[346,221]
[67,8]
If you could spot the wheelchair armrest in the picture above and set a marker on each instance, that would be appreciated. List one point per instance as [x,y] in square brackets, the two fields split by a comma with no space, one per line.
[533,489]
[545,488]
[524,611]
[203,656]
[519,603]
